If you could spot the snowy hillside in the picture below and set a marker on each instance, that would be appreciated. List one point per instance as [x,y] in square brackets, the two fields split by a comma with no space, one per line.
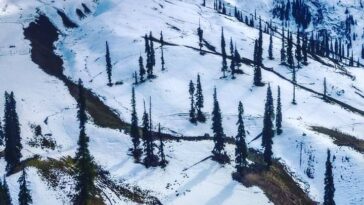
[44,81]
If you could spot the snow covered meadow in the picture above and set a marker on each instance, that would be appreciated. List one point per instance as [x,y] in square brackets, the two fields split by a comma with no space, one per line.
[45,100]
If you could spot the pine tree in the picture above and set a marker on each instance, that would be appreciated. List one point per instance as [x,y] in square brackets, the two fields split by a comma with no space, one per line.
[134,130]
[279,113]
[152,52]
[5,197]
[162,52]
[294,85]
[85,166]
[298,50]
[283,49]
[135,76]
[13,144]
[1,134]
[362,51]
[260,44]
[149,49]
[192,110]
[241,150]
[232,62]
[237,58]
[146,41]
[150,158]
[108,65]
[268,134]
[141,69]
[199,101]
[218,152]
[329,182]
[200,36]
[290,59]
[163,162]
[304,49]
[325,90]
[24,193]
[223,53]
[257,69]
[270,50]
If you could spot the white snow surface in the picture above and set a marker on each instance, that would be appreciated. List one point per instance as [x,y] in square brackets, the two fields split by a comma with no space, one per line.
[122,24]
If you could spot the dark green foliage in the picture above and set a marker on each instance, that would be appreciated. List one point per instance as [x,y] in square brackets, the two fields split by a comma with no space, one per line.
[163,162]
[150,158]
[199,101]
[162,53]
[298,49]
[218,152]
[294,85]
[152,52]
[232,62]
[257,68]
[241,150]
[200,36]
[223,53]
[270,49]
[329,182]
[268,133]
[304,49]
[290,59]
[5,198]
[141,69]
[149,49]
[1,134]
[108,65]
[237,58]
[135,76]
[13,144]
[24,196]
[134,130]
[260,44]
[85,166]
[191,90]
[325,90]
[283,49]
[279,113]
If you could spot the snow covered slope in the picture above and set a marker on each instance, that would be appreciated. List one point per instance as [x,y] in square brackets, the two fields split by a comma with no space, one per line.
[44,100]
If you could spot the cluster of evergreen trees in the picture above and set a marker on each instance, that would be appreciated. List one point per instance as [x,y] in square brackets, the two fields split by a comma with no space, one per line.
[298,9]
[24,196]
[197,101]
[146,135]
[235,58]
[147,71]
[258,57]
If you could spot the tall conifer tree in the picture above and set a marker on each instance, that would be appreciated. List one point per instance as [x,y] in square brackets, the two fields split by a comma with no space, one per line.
[134,130]
[199,101]
[108,65]
[218,152]
[13,144]
[85,166]
[241,150]
[223,53]
[268,134]
[279,113]
[24,196]
[329,182]
[191,90]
